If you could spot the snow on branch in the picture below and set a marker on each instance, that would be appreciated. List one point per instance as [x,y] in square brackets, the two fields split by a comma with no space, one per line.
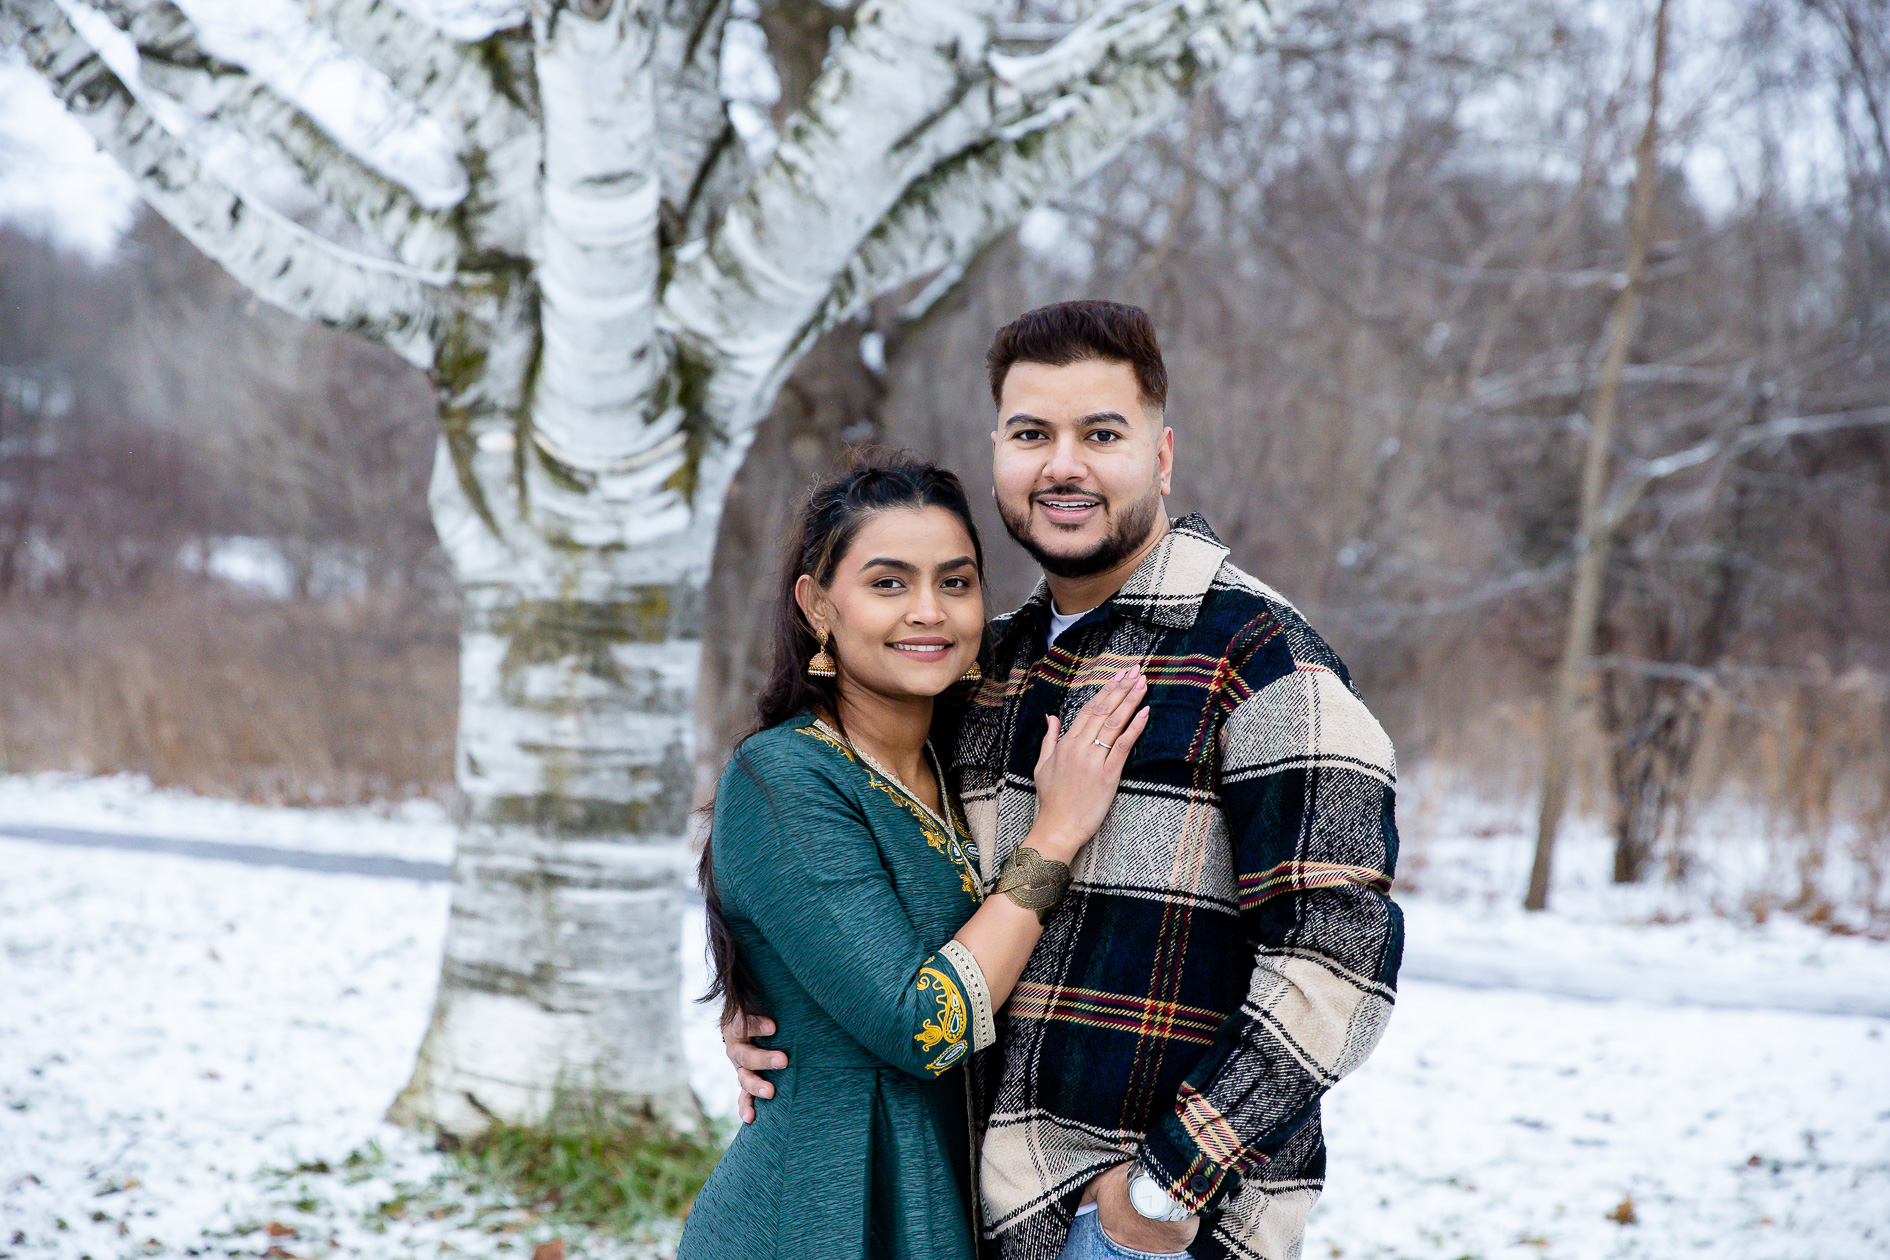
[283,263]
[485,95]
[440,75]
[921,138]
[223,96]
[1641,475]
[971,200]
[1133,66]
[700,155]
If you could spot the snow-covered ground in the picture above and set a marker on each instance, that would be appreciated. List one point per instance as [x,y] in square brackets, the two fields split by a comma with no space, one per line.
[177,1036]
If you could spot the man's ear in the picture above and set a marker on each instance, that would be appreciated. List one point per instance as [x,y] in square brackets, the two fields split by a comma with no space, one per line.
[1165,455]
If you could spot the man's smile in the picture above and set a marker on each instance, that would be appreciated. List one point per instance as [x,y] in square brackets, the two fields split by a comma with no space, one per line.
[1068,509]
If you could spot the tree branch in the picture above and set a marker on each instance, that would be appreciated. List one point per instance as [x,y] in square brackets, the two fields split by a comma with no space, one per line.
[1641,476]
[599,426]
[441,76]
[485,94]
[742,300]
[284,264]
[698,153]
[223,95]
[920,141]
[982,191]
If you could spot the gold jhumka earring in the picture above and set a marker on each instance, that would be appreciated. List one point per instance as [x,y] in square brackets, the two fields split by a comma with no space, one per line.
[822,664]
[974,674]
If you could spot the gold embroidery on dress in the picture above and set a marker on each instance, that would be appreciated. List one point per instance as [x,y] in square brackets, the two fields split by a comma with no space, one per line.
[947,1024]
[958,846]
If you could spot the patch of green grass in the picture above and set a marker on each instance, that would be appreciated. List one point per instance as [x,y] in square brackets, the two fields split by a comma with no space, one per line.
[611,1173]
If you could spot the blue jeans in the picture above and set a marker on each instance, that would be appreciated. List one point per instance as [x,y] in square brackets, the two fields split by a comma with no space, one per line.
[1087,1241]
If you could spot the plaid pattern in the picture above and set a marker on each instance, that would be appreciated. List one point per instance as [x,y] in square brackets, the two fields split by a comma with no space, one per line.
[1228,949]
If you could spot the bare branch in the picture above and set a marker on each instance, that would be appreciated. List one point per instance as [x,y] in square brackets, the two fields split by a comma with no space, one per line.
[1642,475]
[983,192]
[1575,279]
[443,77]
[597,272]
[486,95]
[905,143]
[223,95]
[1672,671]
[1501,393]
[744,297]
[284,264]
[698,150]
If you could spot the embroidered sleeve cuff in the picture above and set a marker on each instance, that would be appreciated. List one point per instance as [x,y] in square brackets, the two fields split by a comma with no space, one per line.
[977,993]
[1193,1154]
[953,1011]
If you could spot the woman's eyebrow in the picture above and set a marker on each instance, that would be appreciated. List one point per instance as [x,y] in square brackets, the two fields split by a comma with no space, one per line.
[906,566]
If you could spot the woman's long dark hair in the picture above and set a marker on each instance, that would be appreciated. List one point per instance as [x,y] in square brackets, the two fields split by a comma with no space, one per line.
[872,479]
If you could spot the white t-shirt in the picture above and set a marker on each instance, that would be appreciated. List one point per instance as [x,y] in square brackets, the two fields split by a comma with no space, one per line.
[1059,623]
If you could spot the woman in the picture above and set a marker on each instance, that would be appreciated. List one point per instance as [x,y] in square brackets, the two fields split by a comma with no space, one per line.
[844,894]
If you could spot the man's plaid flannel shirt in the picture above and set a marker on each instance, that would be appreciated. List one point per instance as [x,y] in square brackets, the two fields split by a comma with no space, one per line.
[1228,949]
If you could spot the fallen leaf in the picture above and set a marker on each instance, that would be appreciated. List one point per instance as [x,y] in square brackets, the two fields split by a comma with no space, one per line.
[278,1230]
[551,1249]
[1624,1213]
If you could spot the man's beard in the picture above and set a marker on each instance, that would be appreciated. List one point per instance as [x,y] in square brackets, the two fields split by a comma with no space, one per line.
[1131,531]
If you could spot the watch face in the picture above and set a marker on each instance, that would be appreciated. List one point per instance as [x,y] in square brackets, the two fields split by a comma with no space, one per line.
[1147,1198]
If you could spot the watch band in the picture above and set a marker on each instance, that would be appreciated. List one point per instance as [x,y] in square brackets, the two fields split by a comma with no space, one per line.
[1149,1200]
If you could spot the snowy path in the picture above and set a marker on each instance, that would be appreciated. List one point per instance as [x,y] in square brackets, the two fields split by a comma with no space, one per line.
[223,851]
[169,1027]
[1453,950]
[1448,946]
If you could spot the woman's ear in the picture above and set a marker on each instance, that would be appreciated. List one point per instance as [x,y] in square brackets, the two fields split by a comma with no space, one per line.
[813,601]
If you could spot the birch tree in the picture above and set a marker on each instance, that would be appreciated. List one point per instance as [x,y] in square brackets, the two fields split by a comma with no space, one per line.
[606,290]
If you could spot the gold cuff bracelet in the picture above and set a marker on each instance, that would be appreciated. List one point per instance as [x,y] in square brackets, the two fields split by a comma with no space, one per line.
[1034,881]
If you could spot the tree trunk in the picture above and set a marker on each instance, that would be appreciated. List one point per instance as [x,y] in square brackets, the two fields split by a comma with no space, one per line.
[1656,728]
[1594,531]
[561,983]
[561,976]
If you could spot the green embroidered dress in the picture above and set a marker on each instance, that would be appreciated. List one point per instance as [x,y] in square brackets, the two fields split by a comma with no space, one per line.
[843,892]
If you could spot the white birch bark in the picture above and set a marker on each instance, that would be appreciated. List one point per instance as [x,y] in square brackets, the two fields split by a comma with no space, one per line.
[606,311]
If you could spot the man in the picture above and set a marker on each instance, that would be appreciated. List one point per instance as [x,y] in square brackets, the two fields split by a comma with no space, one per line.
[1228,949]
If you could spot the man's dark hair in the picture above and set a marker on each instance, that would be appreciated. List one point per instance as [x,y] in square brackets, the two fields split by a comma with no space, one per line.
[1069,332]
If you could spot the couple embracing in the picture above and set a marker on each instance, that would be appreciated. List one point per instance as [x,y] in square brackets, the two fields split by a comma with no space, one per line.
[1049,933]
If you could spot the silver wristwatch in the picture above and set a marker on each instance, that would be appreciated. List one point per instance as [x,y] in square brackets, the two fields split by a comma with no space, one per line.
[1148,1199]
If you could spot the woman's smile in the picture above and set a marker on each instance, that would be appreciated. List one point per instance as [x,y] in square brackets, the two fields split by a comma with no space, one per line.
[930,646]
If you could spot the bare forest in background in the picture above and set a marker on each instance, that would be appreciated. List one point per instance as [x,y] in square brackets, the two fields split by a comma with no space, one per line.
[1382,258]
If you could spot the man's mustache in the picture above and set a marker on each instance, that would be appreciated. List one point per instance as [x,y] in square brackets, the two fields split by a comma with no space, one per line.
[1068,492]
